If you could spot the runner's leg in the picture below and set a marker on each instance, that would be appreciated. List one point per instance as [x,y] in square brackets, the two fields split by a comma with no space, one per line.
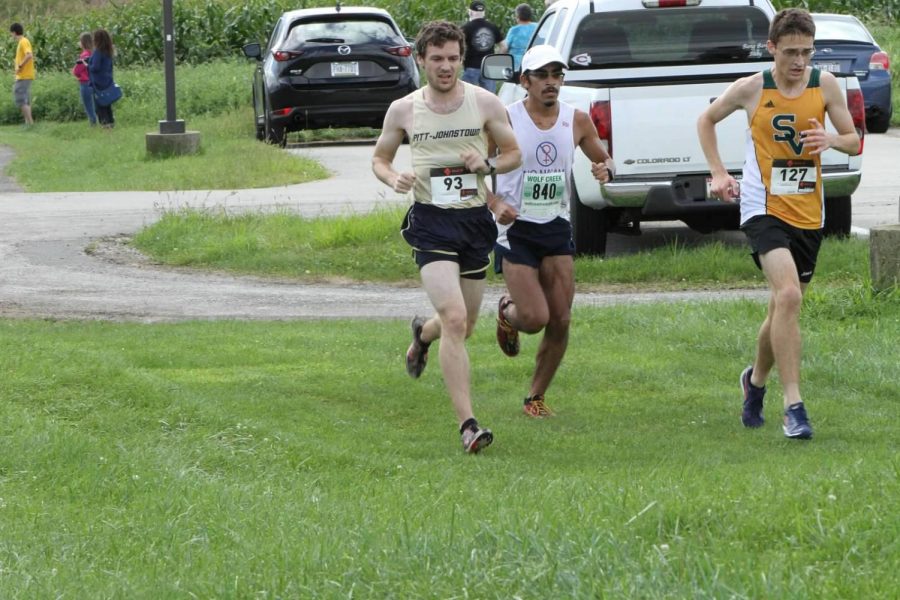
[557,278]
[442,284]
[528,312]
[784,320]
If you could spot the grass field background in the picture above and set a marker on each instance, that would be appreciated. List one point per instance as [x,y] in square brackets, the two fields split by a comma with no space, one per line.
[289,460]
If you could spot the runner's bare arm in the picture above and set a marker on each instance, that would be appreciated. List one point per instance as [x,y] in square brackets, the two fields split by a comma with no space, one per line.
[739,95]
[586,138]
[391,137]
[845,140]
[496,123]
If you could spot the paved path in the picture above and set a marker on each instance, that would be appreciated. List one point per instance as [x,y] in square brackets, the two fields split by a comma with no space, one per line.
[45,270]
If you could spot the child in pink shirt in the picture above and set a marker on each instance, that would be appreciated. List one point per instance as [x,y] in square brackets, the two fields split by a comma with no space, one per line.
[80,71]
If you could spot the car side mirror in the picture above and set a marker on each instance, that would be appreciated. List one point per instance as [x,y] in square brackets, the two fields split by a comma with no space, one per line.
[253,51]
[498,67]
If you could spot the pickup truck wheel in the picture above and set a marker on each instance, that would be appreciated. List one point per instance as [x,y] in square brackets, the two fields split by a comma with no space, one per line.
[838,215]
[589,227]
[711,223]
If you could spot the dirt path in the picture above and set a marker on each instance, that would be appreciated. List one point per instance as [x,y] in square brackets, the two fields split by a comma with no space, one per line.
[63,256]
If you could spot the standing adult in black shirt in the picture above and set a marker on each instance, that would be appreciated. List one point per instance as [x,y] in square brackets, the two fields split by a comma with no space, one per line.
[481,37]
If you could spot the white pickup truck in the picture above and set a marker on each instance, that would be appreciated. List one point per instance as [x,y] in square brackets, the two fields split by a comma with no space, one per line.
[644,70]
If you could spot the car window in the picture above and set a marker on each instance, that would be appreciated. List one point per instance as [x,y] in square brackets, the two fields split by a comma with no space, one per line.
[842,29]
[343,31]
[543,31]
[671,37]
[276,35]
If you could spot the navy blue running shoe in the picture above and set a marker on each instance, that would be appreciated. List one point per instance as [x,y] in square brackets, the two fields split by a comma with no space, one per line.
[752,415]
[796,423]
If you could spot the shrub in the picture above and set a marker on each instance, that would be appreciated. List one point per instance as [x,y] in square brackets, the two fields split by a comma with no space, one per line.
[209,29]
[211,88]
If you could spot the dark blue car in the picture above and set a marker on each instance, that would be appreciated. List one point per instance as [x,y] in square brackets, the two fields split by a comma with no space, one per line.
[844,45]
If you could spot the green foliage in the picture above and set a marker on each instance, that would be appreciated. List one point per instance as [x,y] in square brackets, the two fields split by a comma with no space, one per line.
[298,460]
[368,247]
[211,29]
[208,29]
[205,89]
[883,10]
[52,157]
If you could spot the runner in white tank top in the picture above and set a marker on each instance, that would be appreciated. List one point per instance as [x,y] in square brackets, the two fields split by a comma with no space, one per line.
[534,249]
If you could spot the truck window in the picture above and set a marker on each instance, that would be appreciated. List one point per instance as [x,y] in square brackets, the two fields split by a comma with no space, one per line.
[560,23]
[543,31]
[671,36]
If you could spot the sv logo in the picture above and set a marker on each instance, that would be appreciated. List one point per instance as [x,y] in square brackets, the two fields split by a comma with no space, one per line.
[785,125]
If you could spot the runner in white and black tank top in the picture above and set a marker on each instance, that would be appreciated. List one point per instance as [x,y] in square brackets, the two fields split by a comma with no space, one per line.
[534,244]
[539,189]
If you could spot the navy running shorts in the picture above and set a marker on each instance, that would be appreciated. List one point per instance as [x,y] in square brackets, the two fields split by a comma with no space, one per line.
[461,235]
[530,242]
[766,233]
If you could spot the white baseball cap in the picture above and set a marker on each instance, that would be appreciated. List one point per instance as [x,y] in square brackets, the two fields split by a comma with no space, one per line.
[541,56]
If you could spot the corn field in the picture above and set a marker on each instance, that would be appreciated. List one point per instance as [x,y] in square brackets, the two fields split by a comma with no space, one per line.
[213,29]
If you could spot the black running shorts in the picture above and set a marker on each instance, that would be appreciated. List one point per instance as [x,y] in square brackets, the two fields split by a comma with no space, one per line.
[461,235]
[766,233]
[530,242]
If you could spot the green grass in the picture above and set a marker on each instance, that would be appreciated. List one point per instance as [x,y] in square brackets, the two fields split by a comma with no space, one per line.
[368,247]
[53,157]
[297,460]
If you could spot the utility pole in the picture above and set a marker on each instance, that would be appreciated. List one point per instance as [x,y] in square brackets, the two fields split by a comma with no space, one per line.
[172,138]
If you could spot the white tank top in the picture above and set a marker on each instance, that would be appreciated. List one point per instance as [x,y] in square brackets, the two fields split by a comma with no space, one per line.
[540,188]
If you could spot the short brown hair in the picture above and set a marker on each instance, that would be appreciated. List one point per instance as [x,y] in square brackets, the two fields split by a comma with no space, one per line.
[792,21]
[438,33]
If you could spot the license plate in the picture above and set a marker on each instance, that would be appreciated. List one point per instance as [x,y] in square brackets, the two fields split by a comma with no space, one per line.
[345,69]
[709,194]
[831,67]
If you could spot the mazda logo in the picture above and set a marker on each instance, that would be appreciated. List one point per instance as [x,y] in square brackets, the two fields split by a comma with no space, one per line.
[344,50]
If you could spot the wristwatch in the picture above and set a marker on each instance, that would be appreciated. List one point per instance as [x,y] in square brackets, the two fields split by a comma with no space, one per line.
[491,164]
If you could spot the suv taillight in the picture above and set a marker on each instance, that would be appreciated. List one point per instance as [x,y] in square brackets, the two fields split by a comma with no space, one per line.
[858,112]
[283,55]
[880,62]
[399,50]
[601,115]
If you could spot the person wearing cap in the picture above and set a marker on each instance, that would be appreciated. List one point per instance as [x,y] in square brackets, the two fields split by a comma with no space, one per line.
[518,36]
[534,248]
[448,225]
[481,37]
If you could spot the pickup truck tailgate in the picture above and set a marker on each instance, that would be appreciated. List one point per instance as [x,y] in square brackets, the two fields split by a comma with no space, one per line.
[639,115]
[667,116]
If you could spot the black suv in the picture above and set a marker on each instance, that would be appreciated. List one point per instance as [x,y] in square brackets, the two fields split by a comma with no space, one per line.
[325,67]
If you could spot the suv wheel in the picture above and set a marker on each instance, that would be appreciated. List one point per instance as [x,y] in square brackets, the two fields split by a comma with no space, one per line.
[259,124]
[273,133]
[879,124]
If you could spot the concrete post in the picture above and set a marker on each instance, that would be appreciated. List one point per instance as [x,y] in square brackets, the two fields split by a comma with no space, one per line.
[884,256]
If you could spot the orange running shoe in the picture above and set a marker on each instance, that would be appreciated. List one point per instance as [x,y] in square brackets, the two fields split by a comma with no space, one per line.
[534,407]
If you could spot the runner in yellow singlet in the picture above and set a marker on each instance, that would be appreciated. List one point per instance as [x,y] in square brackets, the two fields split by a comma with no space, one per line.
[781,195]
[448,224]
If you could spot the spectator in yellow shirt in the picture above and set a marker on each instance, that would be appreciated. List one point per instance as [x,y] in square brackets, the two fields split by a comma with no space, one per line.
[24,72]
